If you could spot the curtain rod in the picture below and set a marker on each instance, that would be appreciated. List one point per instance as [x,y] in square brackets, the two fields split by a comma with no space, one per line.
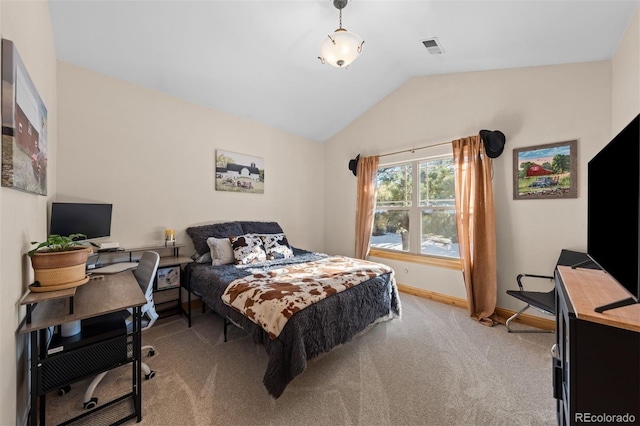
[414,149]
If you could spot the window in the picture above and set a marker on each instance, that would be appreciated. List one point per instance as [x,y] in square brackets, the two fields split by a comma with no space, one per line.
[415,208]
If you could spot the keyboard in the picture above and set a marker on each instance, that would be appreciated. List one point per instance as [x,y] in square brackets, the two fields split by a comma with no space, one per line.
[115,268]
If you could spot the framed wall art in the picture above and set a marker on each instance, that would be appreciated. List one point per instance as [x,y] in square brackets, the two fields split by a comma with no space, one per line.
[546,171]
[239,172]
[24,127]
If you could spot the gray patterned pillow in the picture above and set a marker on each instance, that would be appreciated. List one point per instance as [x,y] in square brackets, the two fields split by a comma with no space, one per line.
[201,258]
[276,246]
[248,249]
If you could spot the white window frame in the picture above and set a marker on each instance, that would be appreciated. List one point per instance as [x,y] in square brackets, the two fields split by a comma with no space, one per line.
[415,254]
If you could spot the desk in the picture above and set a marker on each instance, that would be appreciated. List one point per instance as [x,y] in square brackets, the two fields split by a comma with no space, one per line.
[167,300]
[111,294]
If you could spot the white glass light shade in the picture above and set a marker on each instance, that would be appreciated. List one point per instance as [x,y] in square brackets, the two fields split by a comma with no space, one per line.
[340,48]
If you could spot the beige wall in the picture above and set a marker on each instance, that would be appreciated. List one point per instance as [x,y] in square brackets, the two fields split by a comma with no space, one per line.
[531,106]
[153,157]
[625,86]
[23,216]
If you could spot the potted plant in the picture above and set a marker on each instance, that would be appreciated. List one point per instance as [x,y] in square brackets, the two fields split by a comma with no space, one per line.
[60,260]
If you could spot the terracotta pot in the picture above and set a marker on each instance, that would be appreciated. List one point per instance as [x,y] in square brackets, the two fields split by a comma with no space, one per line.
[57,268]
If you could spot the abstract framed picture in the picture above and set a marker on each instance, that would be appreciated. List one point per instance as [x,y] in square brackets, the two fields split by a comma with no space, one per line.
[24,127]
[546,171]
[239,172]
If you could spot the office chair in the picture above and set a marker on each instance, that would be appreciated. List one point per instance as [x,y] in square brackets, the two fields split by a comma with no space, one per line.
[544,302]
[145,274]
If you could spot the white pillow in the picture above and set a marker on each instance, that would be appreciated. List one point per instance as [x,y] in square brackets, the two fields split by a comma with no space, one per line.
[221,251]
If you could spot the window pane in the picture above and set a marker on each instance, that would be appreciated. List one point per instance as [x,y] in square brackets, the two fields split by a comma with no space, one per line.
[437,187]
[391,230]
[439,234]
[394,186]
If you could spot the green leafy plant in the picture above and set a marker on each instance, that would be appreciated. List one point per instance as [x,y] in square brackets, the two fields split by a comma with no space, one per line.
[57,243]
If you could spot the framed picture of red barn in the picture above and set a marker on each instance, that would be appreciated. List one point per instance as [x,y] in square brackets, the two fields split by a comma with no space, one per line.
[546,171]
[24,127]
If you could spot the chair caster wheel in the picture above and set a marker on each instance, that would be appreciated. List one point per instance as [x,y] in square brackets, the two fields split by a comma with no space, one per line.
[151,352]
[91,403]
[151,375]
[64,390]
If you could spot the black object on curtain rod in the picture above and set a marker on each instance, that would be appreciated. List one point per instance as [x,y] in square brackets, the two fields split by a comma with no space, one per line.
[353,165]
[493,140]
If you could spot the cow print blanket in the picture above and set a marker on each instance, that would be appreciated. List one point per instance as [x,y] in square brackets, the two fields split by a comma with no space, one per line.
[270,298]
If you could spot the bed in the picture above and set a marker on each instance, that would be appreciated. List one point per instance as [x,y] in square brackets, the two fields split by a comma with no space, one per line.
[334,319]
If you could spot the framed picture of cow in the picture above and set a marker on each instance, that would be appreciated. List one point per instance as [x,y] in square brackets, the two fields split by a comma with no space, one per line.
[546,171]
[24,127]
[239,172]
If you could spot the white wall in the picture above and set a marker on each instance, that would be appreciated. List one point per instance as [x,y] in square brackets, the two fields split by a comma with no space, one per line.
[23,216]
[626,76]
[153,157]
[531,106]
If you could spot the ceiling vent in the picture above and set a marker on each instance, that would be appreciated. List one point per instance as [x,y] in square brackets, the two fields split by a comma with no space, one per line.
[433,46]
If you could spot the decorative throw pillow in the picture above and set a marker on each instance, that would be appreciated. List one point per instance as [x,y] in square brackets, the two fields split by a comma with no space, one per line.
[202,258]
[248,249]
[276,246]
[221,251]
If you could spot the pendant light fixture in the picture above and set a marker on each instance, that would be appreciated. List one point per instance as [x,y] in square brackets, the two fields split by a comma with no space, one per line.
[342,47]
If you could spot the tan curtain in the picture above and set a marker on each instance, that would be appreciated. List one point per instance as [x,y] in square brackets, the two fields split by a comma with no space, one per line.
[365,203]
[476,227]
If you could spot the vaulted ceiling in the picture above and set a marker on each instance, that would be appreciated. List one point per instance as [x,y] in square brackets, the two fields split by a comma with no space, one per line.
[258,59]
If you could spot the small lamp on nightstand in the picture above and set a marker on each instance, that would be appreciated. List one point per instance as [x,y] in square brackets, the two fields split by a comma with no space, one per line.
[169,237]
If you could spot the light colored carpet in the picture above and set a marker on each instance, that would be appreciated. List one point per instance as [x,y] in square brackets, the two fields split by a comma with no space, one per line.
[435,366]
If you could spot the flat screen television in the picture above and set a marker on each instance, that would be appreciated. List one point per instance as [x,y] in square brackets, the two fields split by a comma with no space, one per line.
[91,219]
[613,239]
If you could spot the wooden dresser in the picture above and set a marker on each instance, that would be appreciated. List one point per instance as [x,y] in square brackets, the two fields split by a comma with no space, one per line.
[597,355]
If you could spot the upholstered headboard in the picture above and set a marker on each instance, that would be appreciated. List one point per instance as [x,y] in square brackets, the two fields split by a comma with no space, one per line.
[199,234]
[261,228]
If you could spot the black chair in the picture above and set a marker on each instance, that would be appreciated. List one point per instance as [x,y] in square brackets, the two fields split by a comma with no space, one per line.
[544,302]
